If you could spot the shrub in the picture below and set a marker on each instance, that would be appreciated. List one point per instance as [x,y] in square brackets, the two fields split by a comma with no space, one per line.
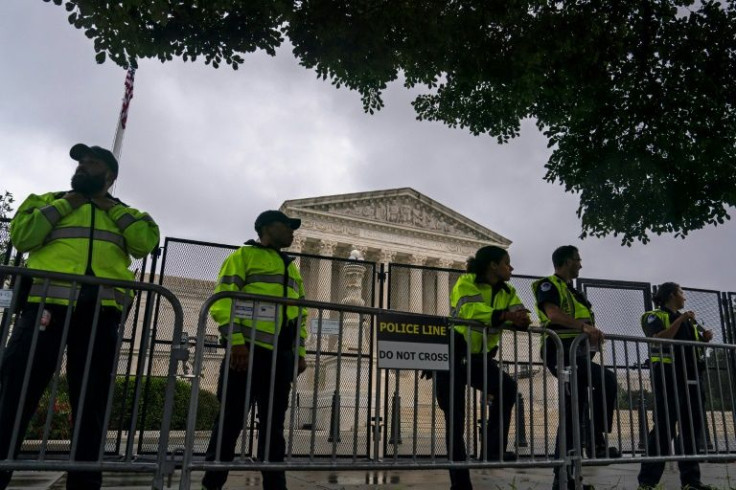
[61,415]
[152,397]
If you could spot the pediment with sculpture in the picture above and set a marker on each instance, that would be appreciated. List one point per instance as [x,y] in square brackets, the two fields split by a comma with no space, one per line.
[399,207]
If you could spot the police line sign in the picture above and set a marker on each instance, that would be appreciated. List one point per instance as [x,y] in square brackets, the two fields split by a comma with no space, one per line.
[412,342]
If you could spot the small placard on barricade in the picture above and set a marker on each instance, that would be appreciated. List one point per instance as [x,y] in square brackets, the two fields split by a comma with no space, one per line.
[6,298]
[329,326]
[248,310]
[412,342]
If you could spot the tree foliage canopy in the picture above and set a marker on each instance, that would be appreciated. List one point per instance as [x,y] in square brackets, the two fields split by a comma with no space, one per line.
[636,97]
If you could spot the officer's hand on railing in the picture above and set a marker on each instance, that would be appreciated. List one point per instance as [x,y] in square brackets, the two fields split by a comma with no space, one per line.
[708,335]
[519,318]
[426,374]
[302,366]
[239,358]
[594,334]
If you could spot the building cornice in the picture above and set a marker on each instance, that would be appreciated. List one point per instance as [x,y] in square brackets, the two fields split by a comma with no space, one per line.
[392,209]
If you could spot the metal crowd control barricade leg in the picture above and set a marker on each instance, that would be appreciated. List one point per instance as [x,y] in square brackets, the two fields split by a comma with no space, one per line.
[346,412]
[484,389]
[689,413]
[59,362]
[298,427]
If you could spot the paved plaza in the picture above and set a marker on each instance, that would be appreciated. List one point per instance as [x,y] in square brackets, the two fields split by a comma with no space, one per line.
[618,477]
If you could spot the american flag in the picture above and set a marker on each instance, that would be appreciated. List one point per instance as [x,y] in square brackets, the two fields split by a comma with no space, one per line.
[129,79]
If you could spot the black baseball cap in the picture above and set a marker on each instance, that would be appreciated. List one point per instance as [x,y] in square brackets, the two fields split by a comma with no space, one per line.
[272,216]
[79,151]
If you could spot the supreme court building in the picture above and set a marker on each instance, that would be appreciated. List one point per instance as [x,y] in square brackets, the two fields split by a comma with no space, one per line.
[399,226]
[396,249]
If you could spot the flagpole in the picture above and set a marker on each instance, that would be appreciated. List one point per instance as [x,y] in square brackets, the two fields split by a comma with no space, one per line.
[117,144]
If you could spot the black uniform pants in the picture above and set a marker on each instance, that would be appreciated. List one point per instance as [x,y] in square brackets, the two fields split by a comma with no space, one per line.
[236,415]
[502,388]
[603,406]
[100,373]
[689,421]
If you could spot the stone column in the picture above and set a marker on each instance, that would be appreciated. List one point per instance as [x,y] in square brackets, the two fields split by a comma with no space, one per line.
[313,410]
[386,257]
[350,387]
[416,286]
[297,246]
[443,288]
[324,273]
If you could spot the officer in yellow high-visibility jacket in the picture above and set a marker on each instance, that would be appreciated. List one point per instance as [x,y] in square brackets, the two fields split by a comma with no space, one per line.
[484,295]
[678,398]
[566,310]
[262,333]
[82,231]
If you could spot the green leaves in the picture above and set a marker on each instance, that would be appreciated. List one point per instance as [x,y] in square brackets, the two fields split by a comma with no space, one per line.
[637,98]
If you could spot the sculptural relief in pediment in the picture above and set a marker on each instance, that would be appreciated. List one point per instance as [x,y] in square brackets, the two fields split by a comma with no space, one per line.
[404,212]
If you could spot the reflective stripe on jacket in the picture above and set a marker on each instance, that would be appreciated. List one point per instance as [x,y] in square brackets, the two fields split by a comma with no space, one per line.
[255,269]
[80,241]
[663,353]
[568,304]
[477,301]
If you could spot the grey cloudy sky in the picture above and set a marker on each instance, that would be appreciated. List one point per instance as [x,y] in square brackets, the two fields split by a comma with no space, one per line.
[206,150]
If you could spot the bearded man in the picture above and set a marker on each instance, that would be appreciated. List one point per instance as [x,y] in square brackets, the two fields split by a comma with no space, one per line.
[87,232]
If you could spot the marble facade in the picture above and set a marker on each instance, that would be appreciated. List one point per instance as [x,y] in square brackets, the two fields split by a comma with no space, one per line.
[395,225]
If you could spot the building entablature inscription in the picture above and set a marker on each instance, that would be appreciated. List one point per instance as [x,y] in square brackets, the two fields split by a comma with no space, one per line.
[459,249]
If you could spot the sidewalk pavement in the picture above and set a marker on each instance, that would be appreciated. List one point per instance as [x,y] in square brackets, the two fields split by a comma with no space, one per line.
[613,477]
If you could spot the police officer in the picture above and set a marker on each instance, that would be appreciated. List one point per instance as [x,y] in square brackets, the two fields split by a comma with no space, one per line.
[81,231]
[678,398]
[484,295]
[266,333]
[564,309]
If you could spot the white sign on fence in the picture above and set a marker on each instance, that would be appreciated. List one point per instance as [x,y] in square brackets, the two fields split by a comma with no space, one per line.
[329,326]
[6,297]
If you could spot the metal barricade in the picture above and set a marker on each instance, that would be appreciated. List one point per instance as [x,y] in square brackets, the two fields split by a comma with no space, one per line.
[59,362]
[346,412]
[653,394]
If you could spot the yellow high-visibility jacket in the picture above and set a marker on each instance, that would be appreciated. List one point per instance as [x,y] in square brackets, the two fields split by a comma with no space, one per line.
[256,269]
[81,241]
[568,304]
[478,301]
[660,354]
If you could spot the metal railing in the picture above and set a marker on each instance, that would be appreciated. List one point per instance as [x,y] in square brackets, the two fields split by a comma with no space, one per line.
[348,412]
[338,407]
[661,384]
[74,354]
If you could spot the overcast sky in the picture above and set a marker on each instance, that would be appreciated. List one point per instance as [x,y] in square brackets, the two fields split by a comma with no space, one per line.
[206,150]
